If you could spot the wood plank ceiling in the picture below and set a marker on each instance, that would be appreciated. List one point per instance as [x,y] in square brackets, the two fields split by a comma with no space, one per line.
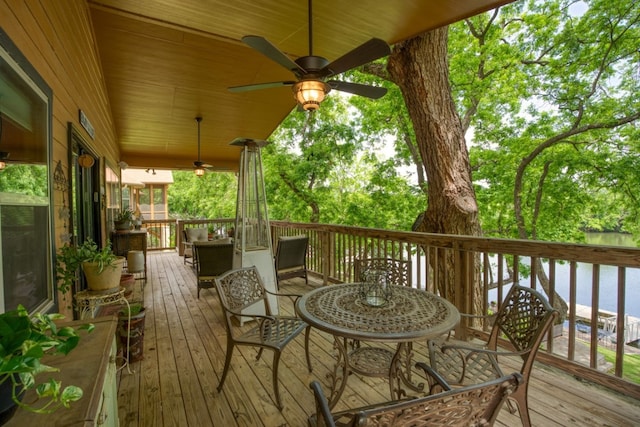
[166,62]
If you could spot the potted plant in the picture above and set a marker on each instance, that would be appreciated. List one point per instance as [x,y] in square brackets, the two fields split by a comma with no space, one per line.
[123,219]
[101,267]
[131,331]
[24,340]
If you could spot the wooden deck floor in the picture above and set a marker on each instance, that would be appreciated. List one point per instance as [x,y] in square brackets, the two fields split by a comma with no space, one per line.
[184,346]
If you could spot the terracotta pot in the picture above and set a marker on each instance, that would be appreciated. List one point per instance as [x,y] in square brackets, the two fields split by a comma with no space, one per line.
[127,281]
[133,329]
[108,279]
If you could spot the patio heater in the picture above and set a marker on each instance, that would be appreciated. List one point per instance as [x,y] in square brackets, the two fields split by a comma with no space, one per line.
[252,235]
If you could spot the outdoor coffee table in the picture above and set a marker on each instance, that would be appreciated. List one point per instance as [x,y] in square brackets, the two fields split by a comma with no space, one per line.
[410,315]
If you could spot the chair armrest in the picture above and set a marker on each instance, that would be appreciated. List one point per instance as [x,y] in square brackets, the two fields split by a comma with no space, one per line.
[294,297]
[260,318]
[435,380]
[323,416]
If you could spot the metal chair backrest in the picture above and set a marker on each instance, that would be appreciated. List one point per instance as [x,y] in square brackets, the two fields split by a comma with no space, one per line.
[524,318]
[239,289]
[476,405]
[398,270]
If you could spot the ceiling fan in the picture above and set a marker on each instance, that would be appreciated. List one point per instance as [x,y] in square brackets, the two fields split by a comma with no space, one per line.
[313,71]
[199,166]
[4,155]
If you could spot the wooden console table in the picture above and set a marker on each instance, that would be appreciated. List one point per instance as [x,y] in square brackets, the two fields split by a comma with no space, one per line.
[130,240]
[90,366]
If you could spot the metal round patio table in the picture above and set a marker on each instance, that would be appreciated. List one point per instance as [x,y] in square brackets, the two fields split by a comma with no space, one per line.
[410,315]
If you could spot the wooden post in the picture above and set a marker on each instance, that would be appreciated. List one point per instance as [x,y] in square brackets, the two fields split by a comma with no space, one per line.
[179,229]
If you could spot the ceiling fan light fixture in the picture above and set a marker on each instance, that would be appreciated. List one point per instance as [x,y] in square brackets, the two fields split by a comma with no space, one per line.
[310,93]
[198,171]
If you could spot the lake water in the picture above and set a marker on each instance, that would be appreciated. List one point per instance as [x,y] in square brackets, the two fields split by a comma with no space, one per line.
[608,278]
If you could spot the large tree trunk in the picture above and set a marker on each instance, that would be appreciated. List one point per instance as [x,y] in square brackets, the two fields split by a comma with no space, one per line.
[419,66]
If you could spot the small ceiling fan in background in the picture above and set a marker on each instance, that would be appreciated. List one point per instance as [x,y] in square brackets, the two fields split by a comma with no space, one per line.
[313,71]
[4,155]
[199,166]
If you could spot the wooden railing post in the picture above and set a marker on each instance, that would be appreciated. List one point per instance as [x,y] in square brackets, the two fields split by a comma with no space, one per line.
[327,256]
[179,228]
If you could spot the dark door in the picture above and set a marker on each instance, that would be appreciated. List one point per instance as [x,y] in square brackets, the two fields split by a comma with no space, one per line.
[85,181]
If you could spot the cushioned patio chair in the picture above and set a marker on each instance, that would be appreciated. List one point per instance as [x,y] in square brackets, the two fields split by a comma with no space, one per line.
[189,237]
[524,318]
[291,258]
[475,405]
[241,288]
[211,259]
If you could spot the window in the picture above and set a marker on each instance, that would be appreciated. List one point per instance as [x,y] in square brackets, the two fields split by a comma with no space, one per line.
[25,206]
[152,201]
[159,203]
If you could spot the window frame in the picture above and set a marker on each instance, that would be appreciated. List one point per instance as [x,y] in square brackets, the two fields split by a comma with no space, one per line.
[12,58]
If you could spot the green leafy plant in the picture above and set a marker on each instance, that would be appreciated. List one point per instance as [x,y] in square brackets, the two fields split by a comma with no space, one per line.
[24,340]
[124,215]
[132,310]
[70,258]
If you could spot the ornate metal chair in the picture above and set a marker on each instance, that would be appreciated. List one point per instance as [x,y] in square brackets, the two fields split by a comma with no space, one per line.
[398,271]
[523,318]
[476,405]
[291,258]
[241,288]
[211,260]
[376,361]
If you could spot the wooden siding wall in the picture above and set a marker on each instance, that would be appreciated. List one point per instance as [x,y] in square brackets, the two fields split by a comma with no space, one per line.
[57,38]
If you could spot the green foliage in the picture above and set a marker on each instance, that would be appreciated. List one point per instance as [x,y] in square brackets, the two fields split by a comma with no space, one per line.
[210,196]
[322,168]
[131,310]
[552,100]
[30,180]
[547,93]
[23,343]
[631,364]
[124,215]
[70,258]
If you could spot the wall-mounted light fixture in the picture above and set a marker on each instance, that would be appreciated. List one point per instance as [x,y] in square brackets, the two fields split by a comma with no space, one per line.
[86,161]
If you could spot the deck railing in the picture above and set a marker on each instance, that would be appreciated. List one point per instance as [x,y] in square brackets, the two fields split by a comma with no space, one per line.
[493,264]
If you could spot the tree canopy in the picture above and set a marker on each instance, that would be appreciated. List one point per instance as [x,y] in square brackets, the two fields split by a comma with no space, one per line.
[545,93]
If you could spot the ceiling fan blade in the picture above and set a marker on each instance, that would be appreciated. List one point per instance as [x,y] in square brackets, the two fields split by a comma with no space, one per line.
[373,92]
[265,47]
[246,88]
[363,54]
